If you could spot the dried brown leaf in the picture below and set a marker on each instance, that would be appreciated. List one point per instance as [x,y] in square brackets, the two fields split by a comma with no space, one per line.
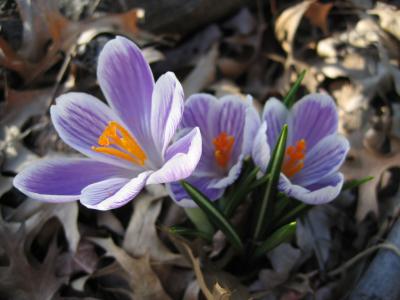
[141,235]
[287,23]
[389,18]
[22,105]
[317,13]
[143,281]
[24,278]
[43,22]
[220,293]
[36,214]
[203,74]
[369,163]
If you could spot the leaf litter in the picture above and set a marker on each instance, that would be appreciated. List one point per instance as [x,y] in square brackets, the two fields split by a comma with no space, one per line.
[349,49]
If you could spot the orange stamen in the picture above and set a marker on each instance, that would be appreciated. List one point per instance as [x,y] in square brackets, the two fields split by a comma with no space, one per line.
[294,158]
[223,145]
[126,146]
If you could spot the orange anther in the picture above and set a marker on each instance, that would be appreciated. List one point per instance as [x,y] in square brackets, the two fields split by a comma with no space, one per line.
[223,145]
[294,157]
[117,141]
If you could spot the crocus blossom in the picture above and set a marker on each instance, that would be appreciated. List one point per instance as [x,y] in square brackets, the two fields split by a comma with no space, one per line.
[314,151]
[228,126]
[127,143]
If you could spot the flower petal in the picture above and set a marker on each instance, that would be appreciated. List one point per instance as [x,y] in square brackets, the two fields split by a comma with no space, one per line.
[261,152]
[323,159]
[234,172]
[79,120]
[230,114]
[200,110]
[181,159]
[127,83]
[275,114]
[113,192]
[251,127]
[179,195]
[62,179]
[312,118]
[167,110]
[231,119]
[326,190]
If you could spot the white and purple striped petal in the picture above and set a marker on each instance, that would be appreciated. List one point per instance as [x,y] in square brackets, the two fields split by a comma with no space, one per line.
[312,118]
[79,120]
[127,83]
[324,159]
[166,110]
[275,114]
[323,191]
[181,159]
[113,192]
[62,179]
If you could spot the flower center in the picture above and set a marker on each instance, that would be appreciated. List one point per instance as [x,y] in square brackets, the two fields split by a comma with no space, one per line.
[294,158]
[116,141]
[223,144]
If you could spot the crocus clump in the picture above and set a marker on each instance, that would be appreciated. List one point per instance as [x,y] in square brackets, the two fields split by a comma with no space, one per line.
[314,152]
[228,126]
[128,143]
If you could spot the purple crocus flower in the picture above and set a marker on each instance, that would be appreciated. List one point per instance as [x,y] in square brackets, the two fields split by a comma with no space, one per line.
[127,143]
[314,150]
[227,126]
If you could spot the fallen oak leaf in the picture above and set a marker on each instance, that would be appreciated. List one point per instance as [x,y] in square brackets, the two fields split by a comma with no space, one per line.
[23,278]
[43,22]
[317,13]
[141,236]
[67,35]
[22,105]
[375,164]
[203,74]
[287,23]
[143,281]
[66,213]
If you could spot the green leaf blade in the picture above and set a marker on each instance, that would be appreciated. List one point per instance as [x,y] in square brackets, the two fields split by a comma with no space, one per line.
[214,215]
[289,99]
[283,234]
[274,170]
[356,182]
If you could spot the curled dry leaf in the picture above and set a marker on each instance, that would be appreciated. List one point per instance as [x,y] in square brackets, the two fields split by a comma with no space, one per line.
[22,105]
[317,14]
[42,22]
[389,18]
[366,162]
[143,281]
[141,235]
[36,214]
[24,277]
[14,155]
[282,266]
[287,23]
[220,293]
[203,74]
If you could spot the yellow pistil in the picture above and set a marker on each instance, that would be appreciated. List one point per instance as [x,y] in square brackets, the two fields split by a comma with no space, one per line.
[117,141]
[294,158]
[223,145]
